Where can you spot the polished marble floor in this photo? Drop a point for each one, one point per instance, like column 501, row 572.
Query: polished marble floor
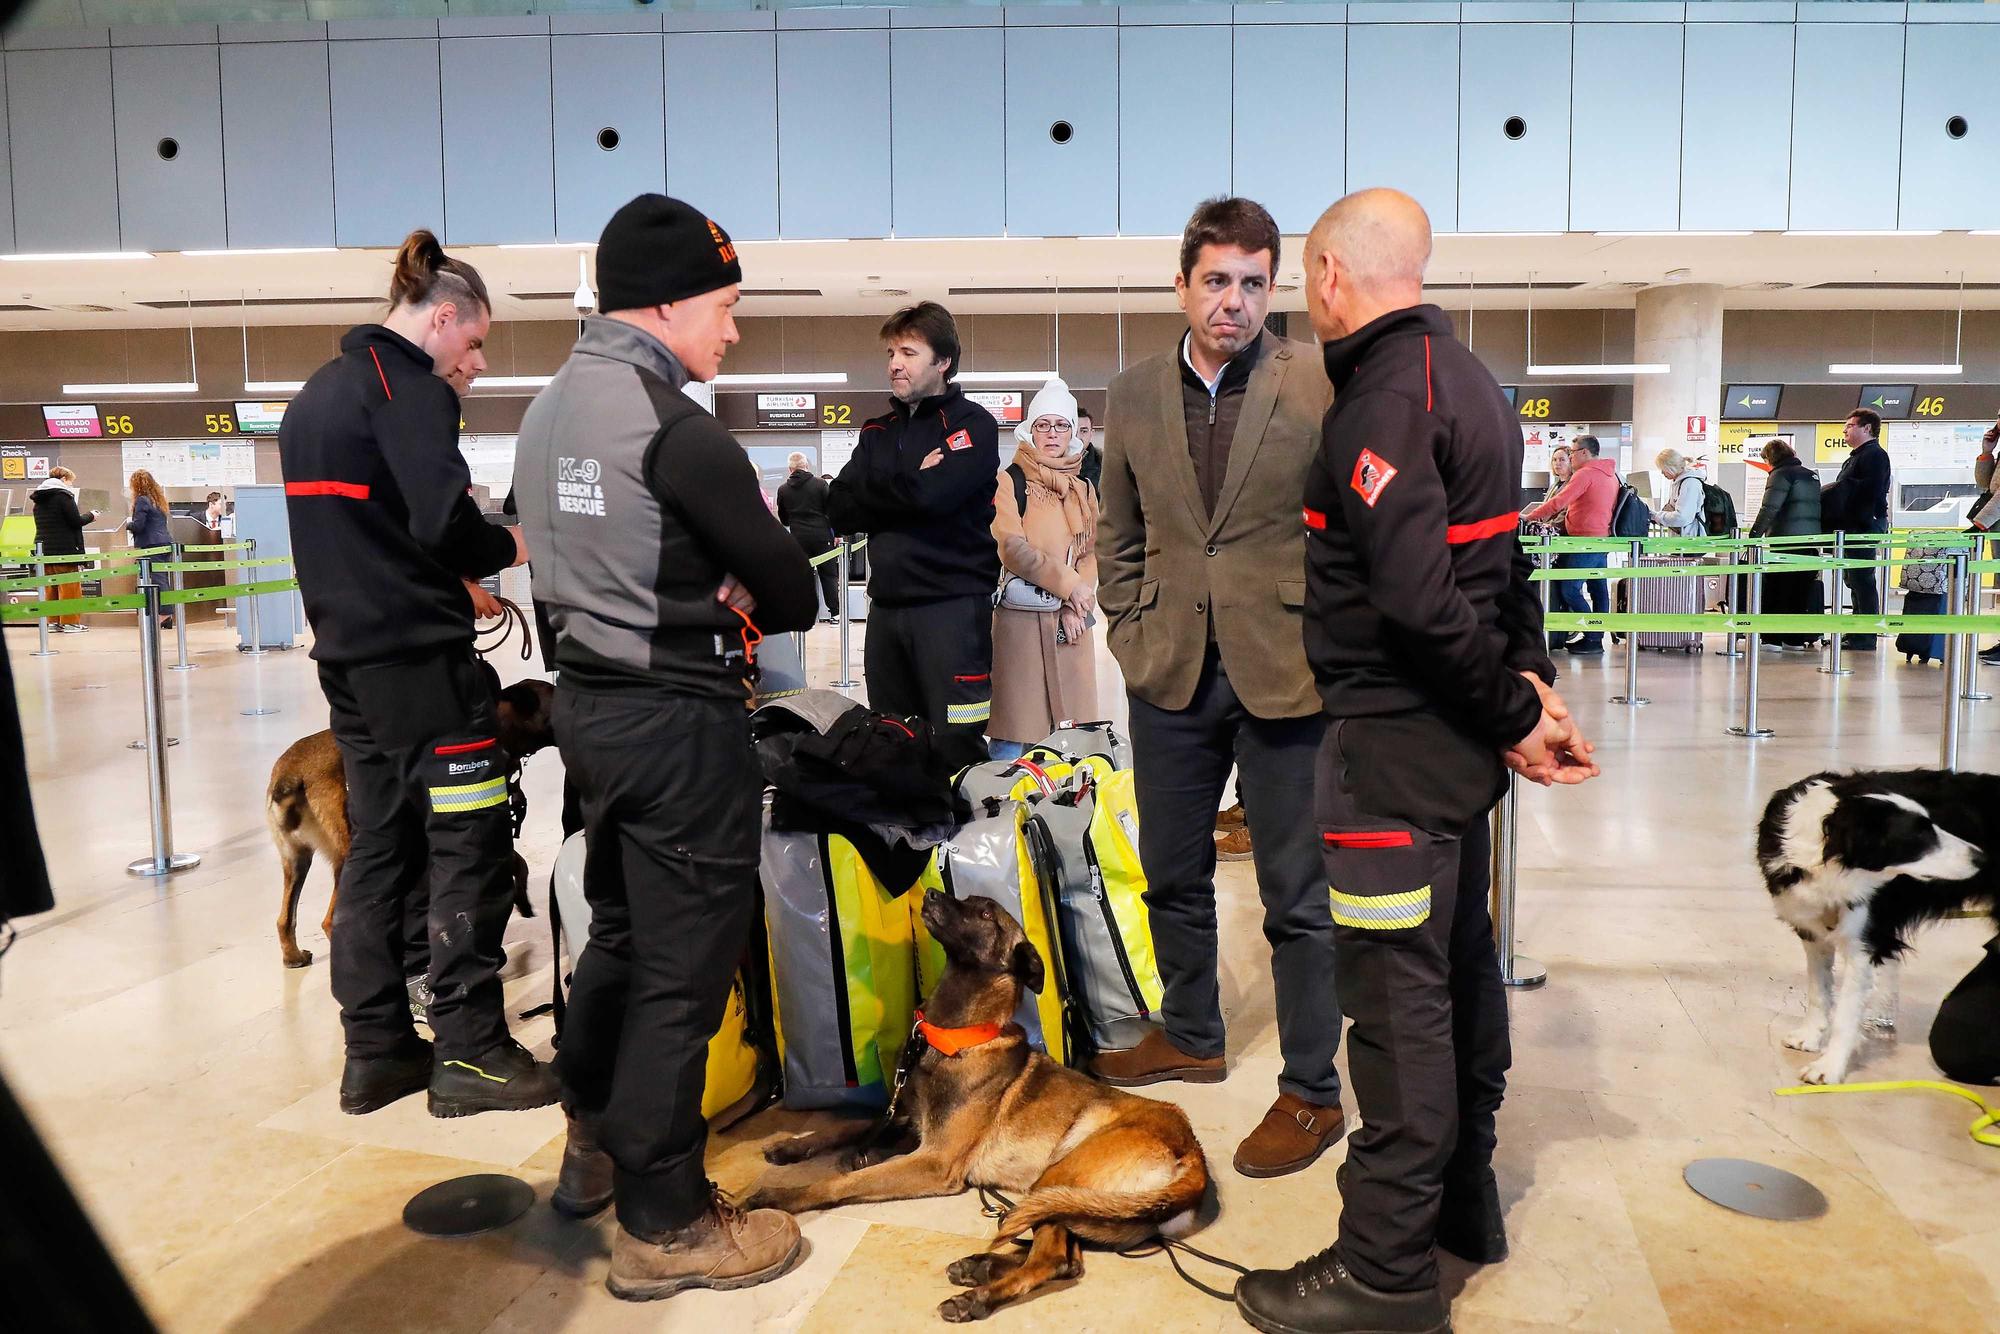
column 186, row 1079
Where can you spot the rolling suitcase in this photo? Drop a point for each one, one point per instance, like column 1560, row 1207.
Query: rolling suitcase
column 1676, row 596
column 1921, row 647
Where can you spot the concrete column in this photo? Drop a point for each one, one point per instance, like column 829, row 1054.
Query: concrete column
column 1680, row 327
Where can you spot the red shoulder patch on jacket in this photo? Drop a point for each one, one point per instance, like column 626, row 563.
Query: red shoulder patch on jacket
column 1372, row 475
column 958, row 440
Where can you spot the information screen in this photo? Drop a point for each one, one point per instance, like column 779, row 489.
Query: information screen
column 1751, row 402
column 259, row 418
column 72, row 421
column 787, row 410
column 1890, row 401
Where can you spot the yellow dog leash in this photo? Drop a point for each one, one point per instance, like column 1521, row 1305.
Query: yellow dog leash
column 1982, row 1129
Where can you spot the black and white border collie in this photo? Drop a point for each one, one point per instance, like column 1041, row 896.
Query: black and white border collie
column 1857, row 861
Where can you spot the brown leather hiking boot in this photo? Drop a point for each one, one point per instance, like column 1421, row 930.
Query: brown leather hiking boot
column 1233, row 818
column 1291, row 1135
column 1154, row 1060
column 584, row 1187
column 725, row 1248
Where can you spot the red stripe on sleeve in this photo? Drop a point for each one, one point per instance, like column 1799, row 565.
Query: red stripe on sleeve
column 1460, row 533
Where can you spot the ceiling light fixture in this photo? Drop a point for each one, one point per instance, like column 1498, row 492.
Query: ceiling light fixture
column 547, row 245
column 1894, row 368
column 1672, row 235
column 1490, row 236
column 1604, row 368
column 1955, row 366
column 156, row 387
column 92, row 255
column 1864, row 233
column 512, row 381
column 272, row 386
column 1004, row 377
column 804, row 379
column 259, row 250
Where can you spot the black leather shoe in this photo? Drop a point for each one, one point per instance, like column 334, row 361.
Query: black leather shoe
column 370, row 1083
column 1471, row 1224
column 1585, row 650
column 1858, row 643
column 1319, row 1296
column 1990, row 655
column 504, row 1078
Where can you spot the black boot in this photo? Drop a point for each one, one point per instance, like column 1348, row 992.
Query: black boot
column 370, row 1083
column 1470, row 1222
column 504, row 1078
column 1319, row 1296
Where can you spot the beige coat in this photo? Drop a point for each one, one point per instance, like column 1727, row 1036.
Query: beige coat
column 1036, row 681
column 1167, row 569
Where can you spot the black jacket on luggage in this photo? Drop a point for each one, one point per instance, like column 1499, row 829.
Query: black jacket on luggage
column 383, row 523
column 930, row 530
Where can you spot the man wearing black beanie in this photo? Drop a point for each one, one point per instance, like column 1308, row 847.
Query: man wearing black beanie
column 660, row 567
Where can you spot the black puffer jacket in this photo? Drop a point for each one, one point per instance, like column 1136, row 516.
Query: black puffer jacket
column 1791, row 503
column 58, row 522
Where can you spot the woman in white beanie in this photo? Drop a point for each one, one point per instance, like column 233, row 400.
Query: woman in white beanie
column 1045, row 522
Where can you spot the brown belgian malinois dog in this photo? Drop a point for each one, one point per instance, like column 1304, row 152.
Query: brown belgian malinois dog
column 982, row 1108
column 306, row 807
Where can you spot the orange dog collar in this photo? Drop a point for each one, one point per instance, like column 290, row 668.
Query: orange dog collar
column 952, row 1041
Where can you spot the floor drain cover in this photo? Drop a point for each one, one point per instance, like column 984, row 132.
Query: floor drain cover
column 466, row 1206
column 1756, row 1189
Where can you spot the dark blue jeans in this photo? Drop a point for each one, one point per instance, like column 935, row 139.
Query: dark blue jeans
column 1570, row 594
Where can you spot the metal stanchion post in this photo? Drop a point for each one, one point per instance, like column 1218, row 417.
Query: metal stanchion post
column 180, row 618
column 164, row 860
column 256, row 647
column 1753, row 643
column 1729, row 640
column 1833, row 667
column 42, row 573
column 1632, row 697
column 1967, row 680
column 149, row 640
column 1954, row 655
column 1515, row 971
column 846, row 681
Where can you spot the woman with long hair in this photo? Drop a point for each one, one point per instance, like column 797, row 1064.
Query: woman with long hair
column 59, row 532
column 148, row 524
column 1045, row 522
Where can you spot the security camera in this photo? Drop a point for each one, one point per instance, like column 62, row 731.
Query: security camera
column 584, row 299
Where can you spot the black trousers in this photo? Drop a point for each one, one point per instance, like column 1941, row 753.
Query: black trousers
column 1864, row 592
column 427, row 810
column 1402, row 812
column 670, row 806
column 817, row 542
column 935, row 660
column 1180, row 763
column 1965, row 1042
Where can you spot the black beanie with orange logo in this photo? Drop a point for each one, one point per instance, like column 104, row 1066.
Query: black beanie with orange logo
column 656, row 251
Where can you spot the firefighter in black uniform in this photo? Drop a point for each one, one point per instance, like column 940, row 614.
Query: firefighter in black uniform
column 384, row 532
column 1426, row 640
column 921, row 486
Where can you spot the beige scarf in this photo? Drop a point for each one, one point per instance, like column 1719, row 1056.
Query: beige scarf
column 1059, row 479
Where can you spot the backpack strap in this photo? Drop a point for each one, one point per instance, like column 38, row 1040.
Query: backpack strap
column 1020, row 488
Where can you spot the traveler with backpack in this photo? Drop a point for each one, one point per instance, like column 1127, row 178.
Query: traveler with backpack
column 1045, row 524
column 1587, row 501
column 1683, row 508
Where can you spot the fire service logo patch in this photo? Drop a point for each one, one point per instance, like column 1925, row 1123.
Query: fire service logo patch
column 1372, row 475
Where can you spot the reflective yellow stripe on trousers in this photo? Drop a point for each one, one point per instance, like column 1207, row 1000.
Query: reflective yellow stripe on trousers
column 1382, row 912
column 470, row 797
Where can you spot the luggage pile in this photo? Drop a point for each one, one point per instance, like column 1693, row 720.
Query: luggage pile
column 858, row 826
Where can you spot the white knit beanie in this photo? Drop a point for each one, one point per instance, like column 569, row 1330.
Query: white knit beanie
column 1053, row 400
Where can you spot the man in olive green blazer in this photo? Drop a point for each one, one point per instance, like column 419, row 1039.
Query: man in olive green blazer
column 1201, row 564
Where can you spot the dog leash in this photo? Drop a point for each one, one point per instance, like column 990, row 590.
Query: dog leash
column 1983, row 1129
column 511, row 616
column 1157, row 1246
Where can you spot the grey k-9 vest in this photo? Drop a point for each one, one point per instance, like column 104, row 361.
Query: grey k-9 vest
column 629, row 589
